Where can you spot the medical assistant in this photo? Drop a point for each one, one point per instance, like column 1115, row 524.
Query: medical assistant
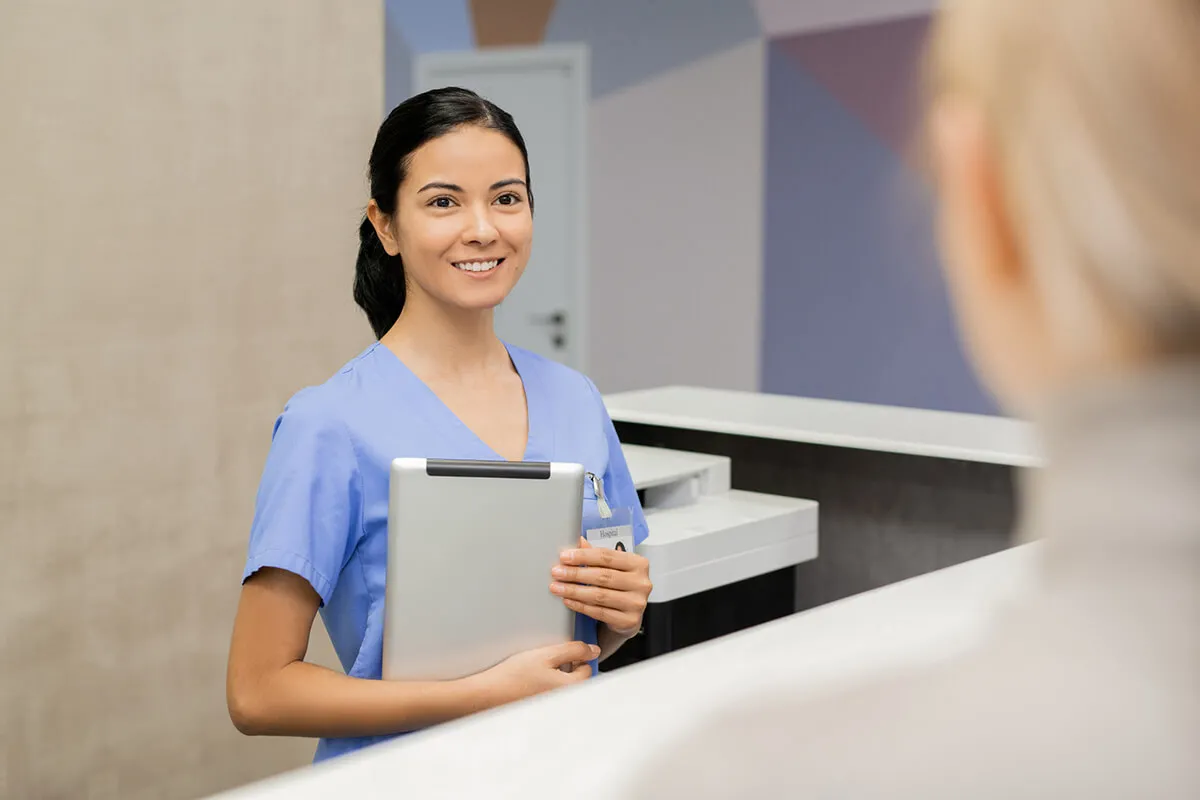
column 321, row 509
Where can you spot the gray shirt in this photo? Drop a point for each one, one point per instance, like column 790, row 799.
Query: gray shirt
column 1089, row 688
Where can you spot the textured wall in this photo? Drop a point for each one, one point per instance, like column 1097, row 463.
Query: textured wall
column 177, row 229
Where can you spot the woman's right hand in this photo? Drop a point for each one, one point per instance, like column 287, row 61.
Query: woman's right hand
column 536, row 671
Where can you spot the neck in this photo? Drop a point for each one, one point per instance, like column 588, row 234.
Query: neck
column 434, row 339
column 1123, row 464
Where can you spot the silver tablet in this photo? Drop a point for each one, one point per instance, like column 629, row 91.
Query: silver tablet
column 470, row 548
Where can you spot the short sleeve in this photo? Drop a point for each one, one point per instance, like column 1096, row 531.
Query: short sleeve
column 618, row 483
column 308, row 507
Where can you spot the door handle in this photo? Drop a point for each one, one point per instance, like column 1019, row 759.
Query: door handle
column 558, row 319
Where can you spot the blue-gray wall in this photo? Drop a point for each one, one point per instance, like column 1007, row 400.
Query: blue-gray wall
column 854, row 307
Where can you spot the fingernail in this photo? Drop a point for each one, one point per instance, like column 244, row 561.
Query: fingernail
column 557, row 588
column 559, row 572
column 571, row 555
column 595, row 650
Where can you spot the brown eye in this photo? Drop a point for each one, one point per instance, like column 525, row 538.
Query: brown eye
column 508, row 199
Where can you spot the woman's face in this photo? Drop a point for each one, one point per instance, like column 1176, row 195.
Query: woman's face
column 463, row 224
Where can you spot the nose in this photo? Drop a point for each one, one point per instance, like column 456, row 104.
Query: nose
column 480, row 230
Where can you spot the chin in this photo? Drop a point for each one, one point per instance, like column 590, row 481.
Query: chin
column 484, row 294
column 481, row 300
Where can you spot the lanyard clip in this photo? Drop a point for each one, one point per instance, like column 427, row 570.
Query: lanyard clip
column 601, row 502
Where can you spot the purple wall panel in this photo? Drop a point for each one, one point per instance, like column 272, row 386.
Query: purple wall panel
column 853, row 307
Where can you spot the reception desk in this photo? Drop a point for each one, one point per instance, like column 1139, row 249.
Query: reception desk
column 888, row 528
column 901, row 491
column 584, row 741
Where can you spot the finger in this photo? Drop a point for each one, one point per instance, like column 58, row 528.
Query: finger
column 602, row 577
column 583, row 544
column 604, row 557
column 605, row 598
column 620, row 620
column 571, row 653
column 581, row 672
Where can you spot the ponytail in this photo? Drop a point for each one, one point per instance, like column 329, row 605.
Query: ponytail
column 378, row 281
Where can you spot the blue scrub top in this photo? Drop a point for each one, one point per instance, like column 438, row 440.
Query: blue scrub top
column 321, row 510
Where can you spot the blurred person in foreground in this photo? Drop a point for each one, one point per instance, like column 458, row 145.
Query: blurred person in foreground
column 1065, row 141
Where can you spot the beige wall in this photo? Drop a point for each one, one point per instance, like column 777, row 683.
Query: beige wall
column 676, row 253
column 179, row 191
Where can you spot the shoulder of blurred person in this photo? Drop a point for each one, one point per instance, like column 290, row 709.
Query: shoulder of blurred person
column 1014, row 719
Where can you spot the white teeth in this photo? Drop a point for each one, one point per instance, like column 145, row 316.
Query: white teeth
column 477, row 266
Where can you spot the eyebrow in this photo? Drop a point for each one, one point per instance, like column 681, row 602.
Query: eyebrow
column 454, row 187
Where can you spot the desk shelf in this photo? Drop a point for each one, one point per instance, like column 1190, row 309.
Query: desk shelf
column 725, row 538
column 721, row 559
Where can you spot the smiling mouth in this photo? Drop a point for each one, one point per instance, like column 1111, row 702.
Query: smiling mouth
column 478, row 266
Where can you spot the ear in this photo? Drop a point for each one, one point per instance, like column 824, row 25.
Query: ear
column 975, row 208
column 383, row 228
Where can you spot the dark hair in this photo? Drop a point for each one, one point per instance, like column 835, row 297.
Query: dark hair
column 379, row 287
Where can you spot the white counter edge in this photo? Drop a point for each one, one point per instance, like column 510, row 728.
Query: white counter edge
column 623, row 407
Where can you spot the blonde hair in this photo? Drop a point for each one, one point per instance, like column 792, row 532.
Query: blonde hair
column 1094, row 109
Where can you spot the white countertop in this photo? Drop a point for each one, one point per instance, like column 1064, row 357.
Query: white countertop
column 546, row 747
column 893, row 429
column 651, row 467
column 726, row 538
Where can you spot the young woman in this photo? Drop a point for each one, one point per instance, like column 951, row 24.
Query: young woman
column 1066, row 140
column 446, row 237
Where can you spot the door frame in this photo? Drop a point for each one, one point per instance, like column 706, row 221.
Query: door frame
column 575, row 59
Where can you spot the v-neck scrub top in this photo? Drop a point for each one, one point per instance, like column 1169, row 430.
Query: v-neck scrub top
column 322, row 505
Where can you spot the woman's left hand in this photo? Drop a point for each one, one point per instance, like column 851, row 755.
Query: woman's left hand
column 610, row 586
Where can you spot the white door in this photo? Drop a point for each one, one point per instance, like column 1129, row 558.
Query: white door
column 546, row 91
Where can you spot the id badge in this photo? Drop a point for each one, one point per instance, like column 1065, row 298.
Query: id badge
column 614, row 532
column 611, row 528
